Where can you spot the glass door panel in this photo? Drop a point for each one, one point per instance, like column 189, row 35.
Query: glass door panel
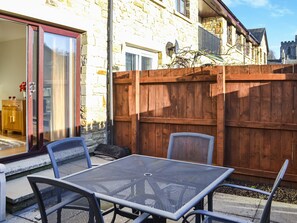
column 59, row 86
column 13, row 122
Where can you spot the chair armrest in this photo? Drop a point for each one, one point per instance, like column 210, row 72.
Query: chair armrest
column 245, row 188
column 141, row 218
column 216, row 216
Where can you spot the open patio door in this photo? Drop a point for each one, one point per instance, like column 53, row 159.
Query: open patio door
column 45, row 61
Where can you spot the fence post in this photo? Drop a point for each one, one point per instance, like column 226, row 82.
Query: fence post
column 2, row 193
column 221, row 85
column 134, row 111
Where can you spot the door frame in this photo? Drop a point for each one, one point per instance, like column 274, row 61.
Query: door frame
column 33, row 150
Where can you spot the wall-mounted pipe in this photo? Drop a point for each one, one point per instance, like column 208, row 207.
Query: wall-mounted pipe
column 109, row 78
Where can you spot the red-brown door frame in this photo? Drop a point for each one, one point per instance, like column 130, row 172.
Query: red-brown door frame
column 32, row 27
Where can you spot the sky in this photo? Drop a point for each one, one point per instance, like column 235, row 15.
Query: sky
column 278, row 17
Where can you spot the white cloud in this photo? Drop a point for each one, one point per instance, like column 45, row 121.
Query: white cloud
column 258, row 3
column 255, row 3
column 275, row 10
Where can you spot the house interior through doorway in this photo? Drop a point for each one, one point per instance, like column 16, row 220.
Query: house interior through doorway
column 12, row 101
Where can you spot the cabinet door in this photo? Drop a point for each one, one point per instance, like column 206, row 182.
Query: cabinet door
column 17, row 121
column 12, row 120
column 5, row 119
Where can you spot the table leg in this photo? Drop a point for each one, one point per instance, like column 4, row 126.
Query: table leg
column 199, row 206
column 157, row 219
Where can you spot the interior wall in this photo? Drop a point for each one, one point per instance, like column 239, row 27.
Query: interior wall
column 12, row 68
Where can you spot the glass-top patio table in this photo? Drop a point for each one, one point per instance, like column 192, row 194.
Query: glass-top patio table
column 162, row 187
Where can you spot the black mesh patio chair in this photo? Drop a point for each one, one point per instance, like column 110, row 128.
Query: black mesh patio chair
column 192, row 147
column 53, row 196
column 71, row 155
column 210, row 216
column 68, row 156
column 189, row 146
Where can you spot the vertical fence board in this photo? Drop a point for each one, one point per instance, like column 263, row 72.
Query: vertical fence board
column 134, row 112
column 254, row 161
column 221, row 118
column 276, row 150
column 159, row 151
column 276, row 101
column 198, row 100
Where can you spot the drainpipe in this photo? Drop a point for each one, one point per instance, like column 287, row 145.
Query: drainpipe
column 109, row 79
column 2, row 193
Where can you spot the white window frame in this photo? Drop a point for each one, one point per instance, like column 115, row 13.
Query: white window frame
column 142, row 53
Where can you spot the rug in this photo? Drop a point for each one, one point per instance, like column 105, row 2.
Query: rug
column 10, row 143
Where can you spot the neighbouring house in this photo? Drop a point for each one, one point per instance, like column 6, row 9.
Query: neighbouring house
column 288, row 52
column 263, row 49
column 65, row 52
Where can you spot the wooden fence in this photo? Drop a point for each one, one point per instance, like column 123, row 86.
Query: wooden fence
column 251, row 111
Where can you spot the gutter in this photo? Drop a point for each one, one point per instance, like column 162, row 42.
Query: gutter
column 109, row 78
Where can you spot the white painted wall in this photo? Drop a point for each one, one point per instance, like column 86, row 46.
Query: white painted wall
column 12, row 68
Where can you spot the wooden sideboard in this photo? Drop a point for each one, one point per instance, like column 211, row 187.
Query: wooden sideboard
column 14, row 116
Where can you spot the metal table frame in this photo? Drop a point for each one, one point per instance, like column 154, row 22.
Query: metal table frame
column 79, row 179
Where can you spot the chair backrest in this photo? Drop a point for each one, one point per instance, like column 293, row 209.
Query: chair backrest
column 265, row 218
column 54, row 194
column 188, row 146
column 68, row 156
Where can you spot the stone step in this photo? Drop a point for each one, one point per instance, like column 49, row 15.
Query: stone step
column 19, row 194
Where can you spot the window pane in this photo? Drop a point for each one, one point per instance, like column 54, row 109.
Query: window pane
column 182, row 7
column 59, row 86
column 146, row 63
column 130, row 61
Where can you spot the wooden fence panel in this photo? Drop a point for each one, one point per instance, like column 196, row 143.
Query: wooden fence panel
column 251, row 111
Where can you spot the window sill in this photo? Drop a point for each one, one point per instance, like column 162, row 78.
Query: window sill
column 182, row 16
column 159, row 2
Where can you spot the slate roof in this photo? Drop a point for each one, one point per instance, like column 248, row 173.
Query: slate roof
column 259, row 34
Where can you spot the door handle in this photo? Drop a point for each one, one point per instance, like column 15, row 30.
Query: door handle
column 32, row 88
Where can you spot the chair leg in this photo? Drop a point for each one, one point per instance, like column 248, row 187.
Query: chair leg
column 91, row 216
column 210, row 201
column 114, row 213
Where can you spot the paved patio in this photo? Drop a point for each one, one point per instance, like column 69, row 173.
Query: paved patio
column 251, row 208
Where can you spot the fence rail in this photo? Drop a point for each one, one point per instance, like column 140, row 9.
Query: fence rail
column 251, row 111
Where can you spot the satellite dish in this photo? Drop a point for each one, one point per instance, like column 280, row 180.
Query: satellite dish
column 170, row 48
column 176, row 47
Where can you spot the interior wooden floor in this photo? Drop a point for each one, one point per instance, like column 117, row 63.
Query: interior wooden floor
column 15, row 150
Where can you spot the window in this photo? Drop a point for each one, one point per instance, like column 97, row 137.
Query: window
column 183, row 7
column 229, row 34
column 247, row 48
column 238, row 41
column 137, row 59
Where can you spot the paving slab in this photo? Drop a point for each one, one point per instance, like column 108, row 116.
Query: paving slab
column 280, row 212
column 243, row 207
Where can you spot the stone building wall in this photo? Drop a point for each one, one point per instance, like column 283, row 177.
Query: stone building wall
column 231, row 54
column 90, row 19
column 149, row 25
